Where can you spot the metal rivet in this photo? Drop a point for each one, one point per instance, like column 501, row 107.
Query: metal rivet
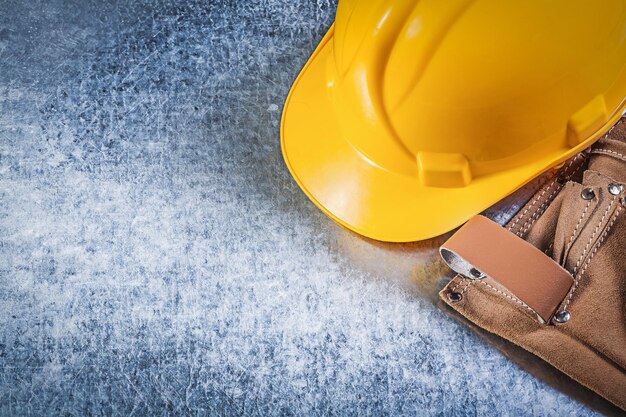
column 475, row 273
column 615, row 189
column 587, row 194
column 455, row 297
column 562, row 316
column 561, row 180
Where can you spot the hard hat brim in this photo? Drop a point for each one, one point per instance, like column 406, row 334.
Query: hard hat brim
column 366, row 198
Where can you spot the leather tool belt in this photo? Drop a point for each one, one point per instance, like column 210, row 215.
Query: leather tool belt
column 553, row 280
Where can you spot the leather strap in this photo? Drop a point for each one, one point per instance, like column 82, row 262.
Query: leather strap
column 482, row 247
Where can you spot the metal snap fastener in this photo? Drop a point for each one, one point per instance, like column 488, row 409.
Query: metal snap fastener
column 475, row 273
column 615, row 189
column 562, row 316
column 455, row 297
column 587, row 194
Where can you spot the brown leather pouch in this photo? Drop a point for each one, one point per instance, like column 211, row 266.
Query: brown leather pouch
column 553, row 280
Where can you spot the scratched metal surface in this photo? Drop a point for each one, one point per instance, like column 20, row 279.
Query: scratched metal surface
column 157, row 259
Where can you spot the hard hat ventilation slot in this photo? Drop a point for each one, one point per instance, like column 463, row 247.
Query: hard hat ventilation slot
column 587, row 121
column 446, row 170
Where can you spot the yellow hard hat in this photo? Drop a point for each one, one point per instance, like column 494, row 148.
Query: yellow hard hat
column 412, row 116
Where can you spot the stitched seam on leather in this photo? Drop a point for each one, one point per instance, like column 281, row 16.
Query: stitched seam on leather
column 540, row 210
column 470, row 282
column 458, row 284
column 581, row 166
column 571, row 239
column 608, row 151
column 510, row 297
column 593, row 235
column 461, row 281
column 595, row 250
column 531, row 205
column 537, row 198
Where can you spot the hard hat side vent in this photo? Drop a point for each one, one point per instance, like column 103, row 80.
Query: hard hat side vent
column 586, row 121
column 446, row 170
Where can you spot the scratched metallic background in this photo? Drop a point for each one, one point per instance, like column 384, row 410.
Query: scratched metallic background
column 157, row 259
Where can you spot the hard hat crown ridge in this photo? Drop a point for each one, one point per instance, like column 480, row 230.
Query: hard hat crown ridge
column 425, row 101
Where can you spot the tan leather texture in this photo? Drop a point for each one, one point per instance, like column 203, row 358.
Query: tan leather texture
column 526, row 272
column 578, row 219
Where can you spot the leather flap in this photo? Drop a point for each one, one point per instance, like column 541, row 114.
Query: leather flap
column 484, row 248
